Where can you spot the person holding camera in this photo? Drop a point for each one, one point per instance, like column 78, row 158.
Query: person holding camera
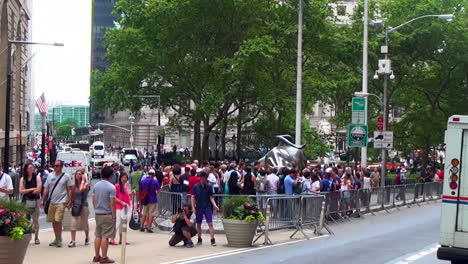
column 183, row 227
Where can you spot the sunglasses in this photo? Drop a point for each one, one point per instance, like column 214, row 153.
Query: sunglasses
column 57, row 165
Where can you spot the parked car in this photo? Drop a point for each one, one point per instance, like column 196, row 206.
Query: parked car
column 96, row 167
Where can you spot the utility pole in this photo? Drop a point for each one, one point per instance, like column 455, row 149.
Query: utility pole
column 299, row 75
column 364, row 73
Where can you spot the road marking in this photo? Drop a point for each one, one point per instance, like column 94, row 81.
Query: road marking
column 235, row 252
column 412, row 257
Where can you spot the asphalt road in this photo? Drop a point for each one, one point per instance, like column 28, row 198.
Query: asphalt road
column 405, row 236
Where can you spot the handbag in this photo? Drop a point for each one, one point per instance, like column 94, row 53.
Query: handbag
column 134, row 220
column 30, row 204
column 47, row 203
column 78, row 205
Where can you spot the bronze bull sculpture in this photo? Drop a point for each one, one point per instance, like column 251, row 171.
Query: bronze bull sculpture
column 286, row 154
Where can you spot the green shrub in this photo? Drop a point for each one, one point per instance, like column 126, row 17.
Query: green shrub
column 241, row 208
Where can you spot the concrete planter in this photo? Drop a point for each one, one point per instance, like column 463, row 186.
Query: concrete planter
column 13, row 252
column 239, row 233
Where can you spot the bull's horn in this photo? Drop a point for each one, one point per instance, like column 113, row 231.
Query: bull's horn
column 288, row 140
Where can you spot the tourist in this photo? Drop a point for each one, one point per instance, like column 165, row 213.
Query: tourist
column 80, row 211
column 59, row 191
column 122, row 205
column 183, row 227
column 30, row 186
column 290, row 182
column 201, row 198
column 6, row 185
column 193, row 179
column 104, row 207
column 151, row 187
column 249, row 182
column 273, row 182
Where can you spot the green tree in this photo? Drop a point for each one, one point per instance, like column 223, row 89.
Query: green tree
column 64, row 129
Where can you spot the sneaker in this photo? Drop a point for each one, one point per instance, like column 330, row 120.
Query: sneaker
column 149, row 230
column 59, row 244
column 142, row 229
column 106, row 260
column 72, row 244
column 213, row 242
column 86, row 242
column 190, row 244
column 200, row 241
column 53, row 244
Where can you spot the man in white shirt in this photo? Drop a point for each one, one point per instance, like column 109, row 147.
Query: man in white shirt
column 6, row 185
column 273, row 181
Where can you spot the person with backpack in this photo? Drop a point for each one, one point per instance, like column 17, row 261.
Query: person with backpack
column 149, row 187
column 249, row 181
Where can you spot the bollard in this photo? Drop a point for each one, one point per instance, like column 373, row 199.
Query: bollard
column 322, row 219
column 123, row 228
column 267, row 226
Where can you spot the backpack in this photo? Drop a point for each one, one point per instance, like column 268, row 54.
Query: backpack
column 397, row 179
column 262, row 183
column 281, row 189
column 143, row 195
column 298, row 188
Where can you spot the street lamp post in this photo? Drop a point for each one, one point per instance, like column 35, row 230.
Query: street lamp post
column 6, row 151
column 364, row 72
column 131, row 118
column 385, row 66
column 299, row 74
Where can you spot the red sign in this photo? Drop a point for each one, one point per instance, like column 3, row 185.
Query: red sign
column 380, row 122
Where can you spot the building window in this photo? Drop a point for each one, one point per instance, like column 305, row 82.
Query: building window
column 341, row 10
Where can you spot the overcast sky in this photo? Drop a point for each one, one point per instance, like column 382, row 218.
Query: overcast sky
column 62, row 73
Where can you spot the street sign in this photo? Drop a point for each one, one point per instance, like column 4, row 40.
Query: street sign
column 357, row 135
column 359, row 113
column 380, row 122
column 383, row 139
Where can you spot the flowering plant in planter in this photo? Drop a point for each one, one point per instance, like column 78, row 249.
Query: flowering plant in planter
column 13, row 221
column 242, row 208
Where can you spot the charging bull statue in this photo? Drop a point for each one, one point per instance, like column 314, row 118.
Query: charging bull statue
column 286, row 154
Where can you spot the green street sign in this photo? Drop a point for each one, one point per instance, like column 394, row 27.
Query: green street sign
column 357, row 135
column 359, row 104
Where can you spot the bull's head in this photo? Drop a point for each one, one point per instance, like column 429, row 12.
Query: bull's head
column 286, row 154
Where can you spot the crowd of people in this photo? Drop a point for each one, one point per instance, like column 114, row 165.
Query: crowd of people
column 118, row 194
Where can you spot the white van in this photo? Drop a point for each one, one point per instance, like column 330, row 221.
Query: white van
column 454, row 217
column 98, row 149
column 74, row 160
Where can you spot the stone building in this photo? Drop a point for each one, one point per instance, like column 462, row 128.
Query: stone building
column 15, row 20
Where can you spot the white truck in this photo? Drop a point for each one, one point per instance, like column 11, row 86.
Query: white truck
column 98, row 149
column 454, row 217
column 74, row 160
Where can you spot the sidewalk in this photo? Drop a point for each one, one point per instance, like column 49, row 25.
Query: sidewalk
column 144, row 248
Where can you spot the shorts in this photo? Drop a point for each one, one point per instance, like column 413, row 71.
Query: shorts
column 207, row 213
column 177, row 237
column 33, row 212
column 83, row 218
column 105, row 226
column 55, row 213
column 150, row 210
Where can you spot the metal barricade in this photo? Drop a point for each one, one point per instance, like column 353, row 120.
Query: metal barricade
column 310, row 214
column 285, row 211
column 168, row 203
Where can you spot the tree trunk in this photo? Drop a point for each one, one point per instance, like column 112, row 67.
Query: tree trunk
column 223, row 136
column 205, row 151
column 196, row 154
column 239, row 135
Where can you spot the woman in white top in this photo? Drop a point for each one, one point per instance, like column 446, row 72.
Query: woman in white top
column 316, row 186
column 212, row 179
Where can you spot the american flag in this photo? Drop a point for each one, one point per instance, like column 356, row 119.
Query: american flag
column 42, row 105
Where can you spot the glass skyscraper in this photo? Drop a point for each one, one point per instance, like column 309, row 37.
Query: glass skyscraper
column 60, row 113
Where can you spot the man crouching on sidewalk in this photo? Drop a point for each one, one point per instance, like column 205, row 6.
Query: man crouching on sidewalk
column 183, row 227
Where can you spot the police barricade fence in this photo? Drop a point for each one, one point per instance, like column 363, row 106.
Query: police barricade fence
column 168, row 203
column 340, row 205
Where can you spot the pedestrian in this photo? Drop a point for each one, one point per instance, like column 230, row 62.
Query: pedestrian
column 233, row 182
column 104, row 207
column 183, row 227
column 151, row 187
column 135, row 179
column 80, row 209
column 6, row 185
column 290, row 182
column 307, row 183
column 193, row 179
column 249, row 182
column 273, row 182
column 201, row 198
column 375, row 178
column 212, row 179
column 30, row 186
column 58, row 192
column 122, row 205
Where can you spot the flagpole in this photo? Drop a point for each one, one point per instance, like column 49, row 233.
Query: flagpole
column 6, row 151
column 43, row 116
